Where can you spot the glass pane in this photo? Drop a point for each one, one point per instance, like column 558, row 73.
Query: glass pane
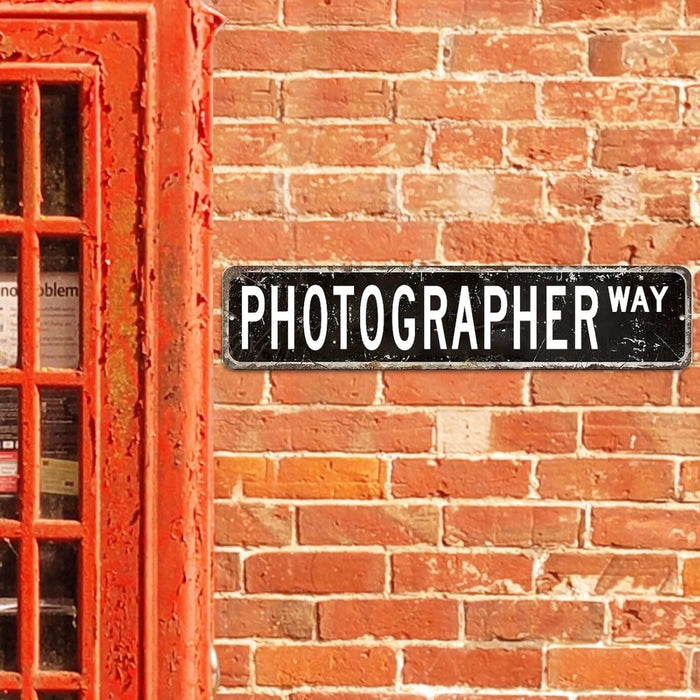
column 58, row 606
column 60, row 445
column 9, row 149
column 8, row 605
column 9, row 695
column 9, row 446
column 60, row 150
column 60, row 303
column 56, row 696
column 9, row 301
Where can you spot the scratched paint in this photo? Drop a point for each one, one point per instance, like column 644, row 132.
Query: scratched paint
column 145, row 231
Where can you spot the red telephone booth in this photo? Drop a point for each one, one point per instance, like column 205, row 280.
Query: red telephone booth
column 104, row 340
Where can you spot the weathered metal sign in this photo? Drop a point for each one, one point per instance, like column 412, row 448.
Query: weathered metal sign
column 518, row 317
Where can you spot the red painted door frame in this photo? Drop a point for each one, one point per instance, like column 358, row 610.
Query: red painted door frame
column 145, row 531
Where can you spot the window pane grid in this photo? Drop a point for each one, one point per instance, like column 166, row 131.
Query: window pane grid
column 30, row 531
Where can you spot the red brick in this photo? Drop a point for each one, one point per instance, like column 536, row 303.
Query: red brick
column 489, row 668
column 458, row 478
column 298, row 665
column 460, row 388
column 231, row 472
column 384, row 525
column 663, row 149
column 245, row 97
column 423, row 572
column 624, row 13
column 498, row 243
column 314, row 572
column 323, row 477
column 691, row 576
column 247, row 11
column 610, row 102
column 587, row 668
column 665, row 433
column 331, row 387
column 690, row 479
column 472, row 146
column 237, row 387
column 351, row 98
column 239, row 241
column 549, row 54
column 251, row 617
column 689, row 386
column 649, row 528
column 248, row 193
column 234, row 662
column 656, row 622
column 322, row 430
column 534, row 431
column 648, row 55
column 512, row 526
column 479, row 13
column 622, row 196
column 451, row 99
column 597, row 696
column 606, row 479
column 227, row 571
column 472, row 194
column 693, row 9
column 526, row 620
column 339, row 195
column 351, row 695
column 613, row 388
column 338, row 12
column 561, row 148
column 601, row 573
column 399, row 619
column 352, row 50
column 644, row 244
column 252, row 525
column 307, row 144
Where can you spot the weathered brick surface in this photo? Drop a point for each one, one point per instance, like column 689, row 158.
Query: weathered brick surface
column 456, row 535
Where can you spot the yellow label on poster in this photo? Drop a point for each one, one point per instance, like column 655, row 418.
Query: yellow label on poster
column 60, row 476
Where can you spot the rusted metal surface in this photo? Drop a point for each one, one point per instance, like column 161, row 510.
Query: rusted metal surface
column 145, row 520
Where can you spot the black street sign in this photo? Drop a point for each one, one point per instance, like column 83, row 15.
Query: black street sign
column 456, row 317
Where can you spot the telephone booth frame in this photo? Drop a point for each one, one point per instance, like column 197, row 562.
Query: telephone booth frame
column 147, row 343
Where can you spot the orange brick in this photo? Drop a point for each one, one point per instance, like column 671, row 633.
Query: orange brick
column 338, row 195
column 613, row 388
column 691, row 576
column 602, row 573
column 232, row 387
column 689, row 386
column 302, row 144
column 649, row 528
column 534, row 431
column 495, row 572
column 247, row 193
column 338, row 12
column 247, row 11
column 644, row 54
column 336, row 97
column 525, row 620
column 491, row 668
column 512, row 526
column 269, row 617
column 606, row 479
column 495, row 243
column 562, row 148
column 610, row 102
column 369, row 525
column 315, row 572
column 299, row 665
column 690, row 479
column 459, row 478
column 323, row 477
column 588, row 668
column 624, row 13
column 480, row 13
column 464, row 100
column 227, row 571
column 656, row 622
column 234, row 662
column 238, row 241
column 332, row 387
column 471, row 146
column 231, row 472
column 245, row 97
column 540, row 54
column 252, row 525
column 356, row 50
column 663, row 149
column 400, row 619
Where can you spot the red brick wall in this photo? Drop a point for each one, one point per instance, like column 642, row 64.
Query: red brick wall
column 416, row 534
